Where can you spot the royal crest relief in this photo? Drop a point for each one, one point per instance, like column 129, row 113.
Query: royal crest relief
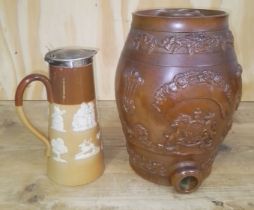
column 197, row 129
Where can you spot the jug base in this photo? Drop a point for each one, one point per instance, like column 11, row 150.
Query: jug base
column 75, row 173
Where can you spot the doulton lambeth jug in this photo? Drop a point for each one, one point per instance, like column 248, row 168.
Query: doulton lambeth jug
column 178, row 84
column 74, row 148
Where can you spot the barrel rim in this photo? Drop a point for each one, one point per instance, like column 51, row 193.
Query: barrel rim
column 154, row 13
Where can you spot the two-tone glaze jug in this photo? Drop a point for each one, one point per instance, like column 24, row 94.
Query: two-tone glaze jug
column 73, row 146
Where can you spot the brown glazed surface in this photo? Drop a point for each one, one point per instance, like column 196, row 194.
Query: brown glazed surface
column 26, row 81
column 178, row 84
column 72, row 85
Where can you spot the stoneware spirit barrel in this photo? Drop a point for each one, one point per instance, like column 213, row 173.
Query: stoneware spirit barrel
column 178, row 84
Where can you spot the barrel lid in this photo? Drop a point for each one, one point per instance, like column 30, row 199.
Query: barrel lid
column 70, row 57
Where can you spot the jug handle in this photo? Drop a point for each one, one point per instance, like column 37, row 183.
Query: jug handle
column 19, row 105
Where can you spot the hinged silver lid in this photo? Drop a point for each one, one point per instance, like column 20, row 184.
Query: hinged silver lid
column 70, row 57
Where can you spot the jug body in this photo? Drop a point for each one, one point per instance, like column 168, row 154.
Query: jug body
column 178, row 84
column 75, row 155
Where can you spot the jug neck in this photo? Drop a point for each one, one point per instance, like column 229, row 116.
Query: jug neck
column 72, row 86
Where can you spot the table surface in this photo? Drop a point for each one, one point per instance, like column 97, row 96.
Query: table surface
column 24, row 184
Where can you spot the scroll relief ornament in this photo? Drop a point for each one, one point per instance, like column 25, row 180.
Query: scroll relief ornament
column 191, row 78
column 196, row 130
column 158, row 167
column 180, row 43
column 137, row 133
column 152, row 166
column 132, row 80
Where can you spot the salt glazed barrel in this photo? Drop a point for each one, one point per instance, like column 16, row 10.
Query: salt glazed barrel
column 177, row 84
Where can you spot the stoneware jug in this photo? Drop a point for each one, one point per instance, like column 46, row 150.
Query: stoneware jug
column 178, row 84
column 73, row 145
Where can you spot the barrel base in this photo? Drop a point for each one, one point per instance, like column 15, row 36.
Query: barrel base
column 183, row 181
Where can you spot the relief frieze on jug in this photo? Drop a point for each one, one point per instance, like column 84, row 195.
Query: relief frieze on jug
column 73, row 146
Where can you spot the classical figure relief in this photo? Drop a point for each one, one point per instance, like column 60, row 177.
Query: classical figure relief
column 87, row 150
column 196, row 130
column 180, row 43
column 84, row 118
column 58, row 148
column 57, row 122
column 132, row 80
column 191, row 78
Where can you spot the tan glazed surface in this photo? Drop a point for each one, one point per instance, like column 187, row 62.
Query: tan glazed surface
column 76, row 171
